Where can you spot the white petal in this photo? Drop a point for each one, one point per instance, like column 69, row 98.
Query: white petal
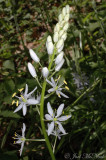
column 59, row 58
column 22, row 146
column 64, row 118
column 61, row 48
column 63, row 94
column 55, row 38
column 32, row 101
column 50, row 47
column 51, row 127
column 23, row 130
column 48, row 117
column 49, row 108
column 67, row 8
column 60, row 109
column 67, row 17
column 50, row 83
column 61, row 128
column 66, row 26
column 34, row 56
column 53, row 82
column 45, row 72
column 31, row 92
column 58, row 67
column 26, row 90
column 19, row 107
column 60, row 43
column 64, row 36
column 49, row 39
column 32, row 70
column 24, row 109
column 64, row 11
column 51, row 90
column 19, row 141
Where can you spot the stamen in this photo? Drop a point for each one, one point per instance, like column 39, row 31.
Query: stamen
column 20, row 90
column 13, row 94
column 65, row 82
column 58, row 95
column 17, row 104
column 22, row 97
column 67, row 115
column 67, row 88
column 63, row 112
column 58, row 78
column 14, row 142
column 13, row 102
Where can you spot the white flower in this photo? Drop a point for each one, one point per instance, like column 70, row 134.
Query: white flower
column 56, row 119
column 55, row 38
column 20, row 139
column 61, row 48
column 57, row 132
column 50, row 47
column 60, row 43
column 56, row 88
column 34, row 56
column 49, row 39
column 67, row 17
column 25, row 100
column 32, row 70
column 64, row 36
column 61, row 33
column 67, row 8
column 60, row 17
column 59, row 65
column 59, row 57
column 45, row 72
column 57, row 28
column 64, row 11
column 66, row 26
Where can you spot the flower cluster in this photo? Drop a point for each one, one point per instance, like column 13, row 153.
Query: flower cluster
column 55, row 127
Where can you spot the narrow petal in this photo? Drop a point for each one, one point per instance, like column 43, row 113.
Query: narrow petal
column 26, row 90
column 58, row 66
column 32, row 92
column 24, row 109
column 50, row 83
column 32, row 101
column 49, row 108
column 51, row 90
column 23, row 130
column 64, row 118
column 52, row 80
column 48, row 117
column 19, row 141
column 22, row 146
column 61, row 128
column 18, row 108
column 63, row 94
column 51, row 127
column 59, row 110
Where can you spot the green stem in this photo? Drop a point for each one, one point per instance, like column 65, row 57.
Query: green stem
column 34, row 139
column 42, row 111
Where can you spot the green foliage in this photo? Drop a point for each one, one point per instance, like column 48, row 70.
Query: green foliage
column 26, row 24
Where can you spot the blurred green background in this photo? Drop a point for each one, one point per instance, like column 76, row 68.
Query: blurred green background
column 26, row 24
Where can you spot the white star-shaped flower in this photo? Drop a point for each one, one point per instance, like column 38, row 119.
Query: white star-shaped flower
column 20, row 139
column 56, row 119
column 25, row 100
column 56, row 88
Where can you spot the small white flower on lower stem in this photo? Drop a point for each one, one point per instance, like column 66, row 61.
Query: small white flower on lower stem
column 58, row 66
column 59, row 57
column 34, row 56
column 45, row 72
column 56, row 119
column 20, row 139
column 25, row 100
column 32, row 70
column 56, row 88
column 57, row 132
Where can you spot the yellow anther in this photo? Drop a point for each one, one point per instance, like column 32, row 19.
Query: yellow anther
column 66, row 88
column 65, row 82
column 55, row 109
column 58, row 95
column 59, row 77
column 22, row 97
column 67, row 115
column 14, row 94
column 17, row 103
column 20, row 90
column 14, row 142
column 15, row 134
column 63, row 112
column 13, row 102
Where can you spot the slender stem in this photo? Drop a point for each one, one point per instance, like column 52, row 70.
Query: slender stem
column 34, row 139
column 38, row 82
column 54, row 144
column 42, row 111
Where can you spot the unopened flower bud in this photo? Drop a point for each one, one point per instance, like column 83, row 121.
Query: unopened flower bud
column 50, row 47
column 55, row 38
column 66, row 26
column 66, row 18
column 58, row 67
column 59, row 58
column 61, row 32
column 45, row 72
column 34, row 56
column 67, row 9
column 64, row 11
column 61, row 48
column 60, row 17
column 32, row 70
column 60, row 43
column 64, row 36
column 49, row 39
column 57, row 27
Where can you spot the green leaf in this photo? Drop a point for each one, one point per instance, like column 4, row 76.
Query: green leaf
column 9, row 114
column 8, row 64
